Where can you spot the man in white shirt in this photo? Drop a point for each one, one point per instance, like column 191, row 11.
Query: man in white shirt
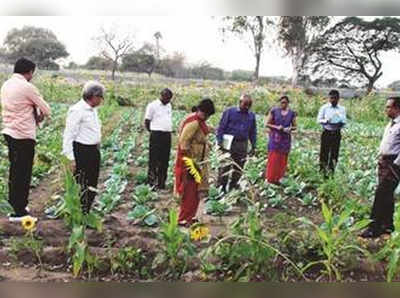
column 81, row 142
column 388, row 174
column 332, row 117
column 158, row 121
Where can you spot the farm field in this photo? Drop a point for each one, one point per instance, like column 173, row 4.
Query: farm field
column 304, row 230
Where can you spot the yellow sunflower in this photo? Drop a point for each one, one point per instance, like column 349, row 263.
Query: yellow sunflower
column 28, row 223
column 199, row 232
column 204, row 232
column 195, row 234
column 193, row 169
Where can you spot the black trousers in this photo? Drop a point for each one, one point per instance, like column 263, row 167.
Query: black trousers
column 20, row 154
column 160, row 149
column 329, row 153
column 87, row 159
column 383, row 207
column 239, row 155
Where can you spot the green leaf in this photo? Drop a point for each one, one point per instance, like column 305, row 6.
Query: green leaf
column 79, row 258
column 361, row 224
column 151, row 220
column 322, row 234
column 343, row 217
column 306, row 221
column 138, row 212
column 393, row 264
column 77, row 235
column 327, row 213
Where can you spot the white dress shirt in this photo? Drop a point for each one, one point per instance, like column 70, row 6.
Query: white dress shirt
column 390, row 144
column 160, row 116
column 332, row 118
column 82, row 126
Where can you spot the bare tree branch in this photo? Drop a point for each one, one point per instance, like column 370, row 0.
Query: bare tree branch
column 114, row 45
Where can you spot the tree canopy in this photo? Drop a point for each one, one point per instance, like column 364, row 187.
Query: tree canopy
column 351, row 49
column 101, row 63
column 39, row 44
column 143, row 60
column 296, row 35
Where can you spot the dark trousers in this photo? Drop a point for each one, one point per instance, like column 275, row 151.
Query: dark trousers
column 160, row 149
column 383, row 207
column 20, row 155
column 329, row 153
column 238, row 154
column 87, row 159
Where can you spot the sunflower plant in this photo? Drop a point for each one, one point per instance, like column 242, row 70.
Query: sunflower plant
column 28, row 223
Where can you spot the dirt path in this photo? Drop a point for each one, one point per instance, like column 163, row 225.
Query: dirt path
column 42, row 195
column 29, row 274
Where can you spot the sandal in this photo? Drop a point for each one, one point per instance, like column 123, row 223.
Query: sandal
column 182, row 223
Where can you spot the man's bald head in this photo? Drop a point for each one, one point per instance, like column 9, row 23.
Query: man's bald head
column 245, row 102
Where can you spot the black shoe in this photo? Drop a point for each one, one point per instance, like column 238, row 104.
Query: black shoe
column 389, row 227
column 372, row 233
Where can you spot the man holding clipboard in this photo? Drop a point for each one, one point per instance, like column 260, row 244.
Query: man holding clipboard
column 236, row 128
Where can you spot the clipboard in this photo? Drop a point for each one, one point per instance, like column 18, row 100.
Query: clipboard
column 227, row 141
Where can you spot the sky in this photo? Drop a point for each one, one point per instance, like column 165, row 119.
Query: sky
column 198, row 37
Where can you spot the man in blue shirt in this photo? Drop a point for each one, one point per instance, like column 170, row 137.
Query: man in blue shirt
column 332, row 117
column 238, row 124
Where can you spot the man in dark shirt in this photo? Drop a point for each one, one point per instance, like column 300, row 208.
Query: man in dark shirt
column 240, row 124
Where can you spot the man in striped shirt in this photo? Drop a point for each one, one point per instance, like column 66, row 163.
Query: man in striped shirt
column 22, row 110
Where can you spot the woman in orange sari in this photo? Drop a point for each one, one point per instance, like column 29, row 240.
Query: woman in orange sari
column 192, row 143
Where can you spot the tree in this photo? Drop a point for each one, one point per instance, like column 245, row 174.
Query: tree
column 114, row 46
column 251, row 28
column 352, row 49
column 100, row 63
column 241, row 75
column 172, row 66
column 39, row 44
column 72, row 65
column 395, row 86
column 296, row 34
column 142, row 60
column 3, row 56
column 158, row 36
column 206, row 71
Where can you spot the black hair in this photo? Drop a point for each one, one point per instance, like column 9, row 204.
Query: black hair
column 284, row 97
column 23, row 66
column 206, row 106
column 194, row 109
column 334, row 94
column 167, row 92
column 396, row 101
